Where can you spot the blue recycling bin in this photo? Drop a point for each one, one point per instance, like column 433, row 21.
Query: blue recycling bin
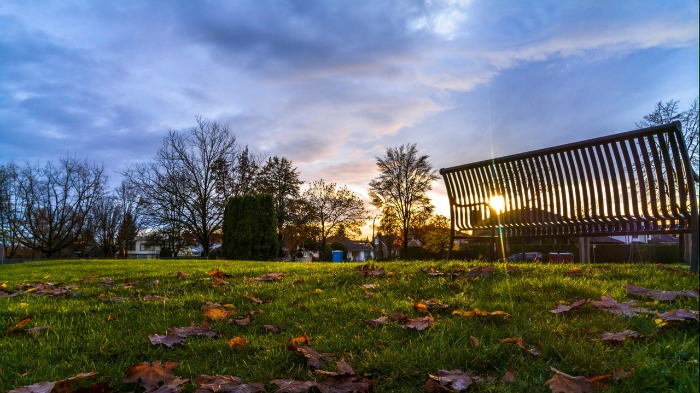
column 337, row 256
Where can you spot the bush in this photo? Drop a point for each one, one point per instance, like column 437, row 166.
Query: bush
column 250, row 228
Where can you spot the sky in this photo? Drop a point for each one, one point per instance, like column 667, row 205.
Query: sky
column 331, row 84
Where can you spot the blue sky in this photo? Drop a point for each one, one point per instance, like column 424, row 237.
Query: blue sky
column 331, row 84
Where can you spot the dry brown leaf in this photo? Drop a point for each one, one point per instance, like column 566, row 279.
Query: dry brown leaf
column 664, row 296
column 481, row 313
column 155, row 298
column 370, row 294
column 565, row 383
column 270, row 277
column 292, row 386
column 674, row 270
column 564, row 308
column 450, row 381
column 419, row 324
column 475, row 342
column 62, row 385
column 151, row 375
column 432, row 271
column 574, row 272
column 245, row 321
column 622, row 336
column 256, row 300
column 678, row 315
column 226, row 384
column 237, row 342
column 183, row 275
column 508, row 377
column 202, row 330
column 611, row 305
column 273, row 328
column 166, row 340
column 383, row 320
column 370, row 270
column 397, row 316
column 314, row 358
column 299, row 340
column 425, row 306
column 521, row 343
column 369, row 286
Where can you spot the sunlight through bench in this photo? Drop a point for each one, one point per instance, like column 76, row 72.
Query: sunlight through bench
column 633, row 183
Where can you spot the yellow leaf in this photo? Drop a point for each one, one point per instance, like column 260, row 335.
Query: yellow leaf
column 24, row 305
column 217, row 314
column 237, row 342
column 319, row 290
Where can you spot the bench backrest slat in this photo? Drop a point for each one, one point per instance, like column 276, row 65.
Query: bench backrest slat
column 630, row 183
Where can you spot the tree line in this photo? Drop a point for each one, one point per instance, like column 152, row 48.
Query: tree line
column 179, row 198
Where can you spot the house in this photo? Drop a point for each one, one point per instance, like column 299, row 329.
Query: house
column 359, row 251
column 142, row 250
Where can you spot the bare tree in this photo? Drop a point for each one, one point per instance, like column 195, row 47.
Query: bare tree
column 55, row 202
column 9, row 203
column 179, row 188
column 106, row 218
column 669, row 111
column 332, row 208
column 401, row 187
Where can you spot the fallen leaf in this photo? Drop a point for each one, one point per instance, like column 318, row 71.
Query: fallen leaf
column 677, row 271
column 273, row 328
column 508, row 377
column 151, row 375
column 183, row 275
column 218, row 274
column 565, row 383
column 370, row 294
column 397, row 316
column 60, row 386
column 369, row 286
column 343, row 380
column 217, row 312
column 521, row 343
column 292, row 386
column 270, row 277
column 419, row 324
column 482, row 271
column 574, row 272
column 383, row 320
column 202, row 330
column 679, row 315
column 432, row 271
column 370, row 270
column 611, row 305
column 622, row 336
column 257, row 301
column 237, row 342
column 425, row 306
column 155, row 298
column 299, row 340
column 314, row 358
column 481, row 313
column 564, row 308
column 225, row 384
column 21, row 323
column 245, row 321
column 166, row 340
column 450, row 381
column 664, row 296
column 475, row 342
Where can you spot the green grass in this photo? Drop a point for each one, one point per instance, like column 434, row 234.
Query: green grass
column 331, row 307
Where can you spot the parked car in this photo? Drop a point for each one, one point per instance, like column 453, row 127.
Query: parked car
column 526, row 256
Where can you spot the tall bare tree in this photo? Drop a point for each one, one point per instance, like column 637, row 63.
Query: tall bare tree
column 669, row 111
column 331, row 207
column 404, row 179
column 9, row 203
column 179, row 188
column 56, row 200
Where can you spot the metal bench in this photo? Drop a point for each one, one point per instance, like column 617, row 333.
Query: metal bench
column 633, row 183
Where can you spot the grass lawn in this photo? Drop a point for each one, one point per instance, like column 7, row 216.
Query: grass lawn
column 329, row 303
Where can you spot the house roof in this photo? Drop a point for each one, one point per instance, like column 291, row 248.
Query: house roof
column 663, row 238
column 605, row 240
